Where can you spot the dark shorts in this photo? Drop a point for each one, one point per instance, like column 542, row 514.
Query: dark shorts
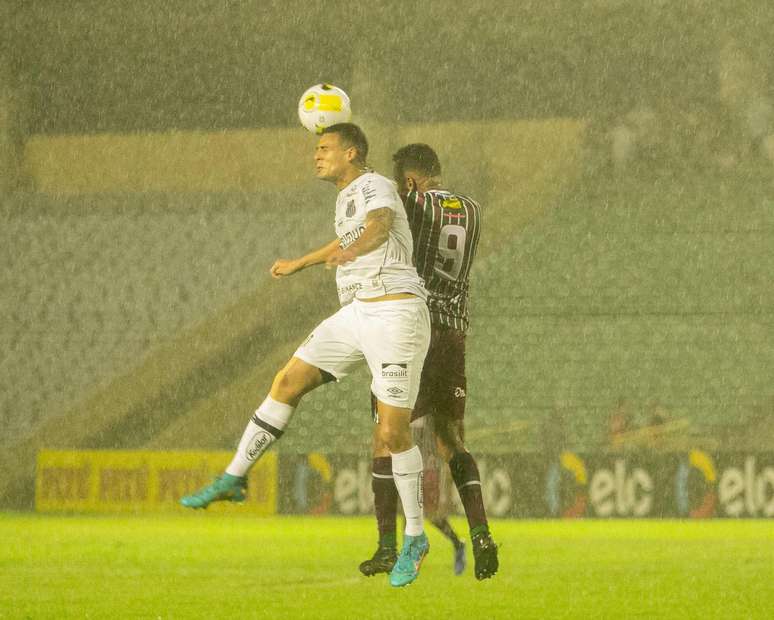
column 443, row 386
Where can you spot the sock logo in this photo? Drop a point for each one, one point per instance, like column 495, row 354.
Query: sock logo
column 257, row 445
column 420, row 487
column 394, row 371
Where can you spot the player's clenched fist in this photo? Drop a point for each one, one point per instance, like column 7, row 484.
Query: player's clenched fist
column 284, row 267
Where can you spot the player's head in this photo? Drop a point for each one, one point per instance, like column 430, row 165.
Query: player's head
column 416, row 166
column 341, row 151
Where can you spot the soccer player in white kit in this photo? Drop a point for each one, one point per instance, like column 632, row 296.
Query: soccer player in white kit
column 383, row 320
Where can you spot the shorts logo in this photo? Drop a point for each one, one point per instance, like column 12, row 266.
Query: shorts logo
column 459, row 392
column 350, row 208
column 395, row 390
column 394, row 371
column 257, row 444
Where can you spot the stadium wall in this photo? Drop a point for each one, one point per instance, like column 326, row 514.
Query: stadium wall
column 497, row 158
column 569, row 485
column 113, row 481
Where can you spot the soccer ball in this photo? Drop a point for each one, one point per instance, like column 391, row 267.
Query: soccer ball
column 323, row 105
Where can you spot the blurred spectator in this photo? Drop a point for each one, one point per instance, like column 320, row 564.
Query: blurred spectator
column 619, row 424
column 743, row 89
column 633, row 137
column 554, row 434
column 656, row 429
column 11, row 134
column 768, row 147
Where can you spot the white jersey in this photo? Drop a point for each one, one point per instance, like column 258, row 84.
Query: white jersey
column 387, row 269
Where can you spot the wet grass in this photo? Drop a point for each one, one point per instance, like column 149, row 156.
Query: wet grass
column 230, row 566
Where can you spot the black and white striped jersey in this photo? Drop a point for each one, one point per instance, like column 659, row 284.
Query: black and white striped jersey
column 445, row 227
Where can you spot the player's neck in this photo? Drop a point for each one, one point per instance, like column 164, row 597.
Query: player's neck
column 429, row 184
column 350, row 175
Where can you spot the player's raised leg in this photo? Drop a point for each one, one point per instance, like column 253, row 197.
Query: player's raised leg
column 396, row 339
column 385, row 507
column 264, row 428
column 464, row 471
column 395, row 433
column 460, row 561
column 437, row 488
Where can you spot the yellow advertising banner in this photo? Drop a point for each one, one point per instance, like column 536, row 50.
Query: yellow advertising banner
column 129, row 481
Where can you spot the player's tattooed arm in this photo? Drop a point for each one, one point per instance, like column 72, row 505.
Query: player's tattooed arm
column 285, row 267
column 376, row 232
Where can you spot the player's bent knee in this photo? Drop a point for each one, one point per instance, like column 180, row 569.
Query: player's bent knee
column 394, row 437
column 444, row 451
column 450, row 439
column 294, row 380
column 393, row 429
column 385, row 435
column 380, row 448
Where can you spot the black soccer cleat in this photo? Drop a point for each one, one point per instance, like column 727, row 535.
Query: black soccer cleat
column 382, row 562
column 485, row 555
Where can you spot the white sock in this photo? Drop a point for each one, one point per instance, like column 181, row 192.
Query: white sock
column 407, row 472
column 263, row 429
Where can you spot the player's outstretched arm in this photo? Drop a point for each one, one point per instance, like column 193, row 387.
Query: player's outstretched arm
column 376, row 232
column 286, row 267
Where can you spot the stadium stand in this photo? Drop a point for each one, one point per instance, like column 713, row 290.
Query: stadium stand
column 657, row 291
column 148, row 320
column 97, row 283
column 616, row 293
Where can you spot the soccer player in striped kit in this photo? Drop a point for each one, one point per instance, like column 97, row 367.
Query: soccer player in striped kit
column 445, row 227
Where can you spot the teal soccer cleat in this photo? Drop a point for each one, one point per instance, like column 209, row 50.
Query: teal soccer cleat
column 224, row 488
column 406, row 569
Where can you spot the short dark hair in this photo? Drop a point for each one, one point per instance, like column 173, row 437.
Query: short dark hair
column 419, row 157
column 351, row 135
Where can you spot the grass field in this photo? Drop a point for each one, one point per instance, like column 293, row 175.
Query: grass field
column 225, row 566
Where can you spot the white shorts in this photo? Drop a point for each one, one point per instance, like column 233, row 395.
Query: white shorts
column 392, row 337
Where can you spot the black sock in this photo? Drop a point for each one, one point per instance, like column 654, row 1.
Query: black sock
column 385, row 500
column 447, row 530
column 464, row 471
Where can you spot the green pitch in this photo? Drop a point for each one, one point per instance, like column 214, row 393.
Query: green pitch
column 231, row 566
